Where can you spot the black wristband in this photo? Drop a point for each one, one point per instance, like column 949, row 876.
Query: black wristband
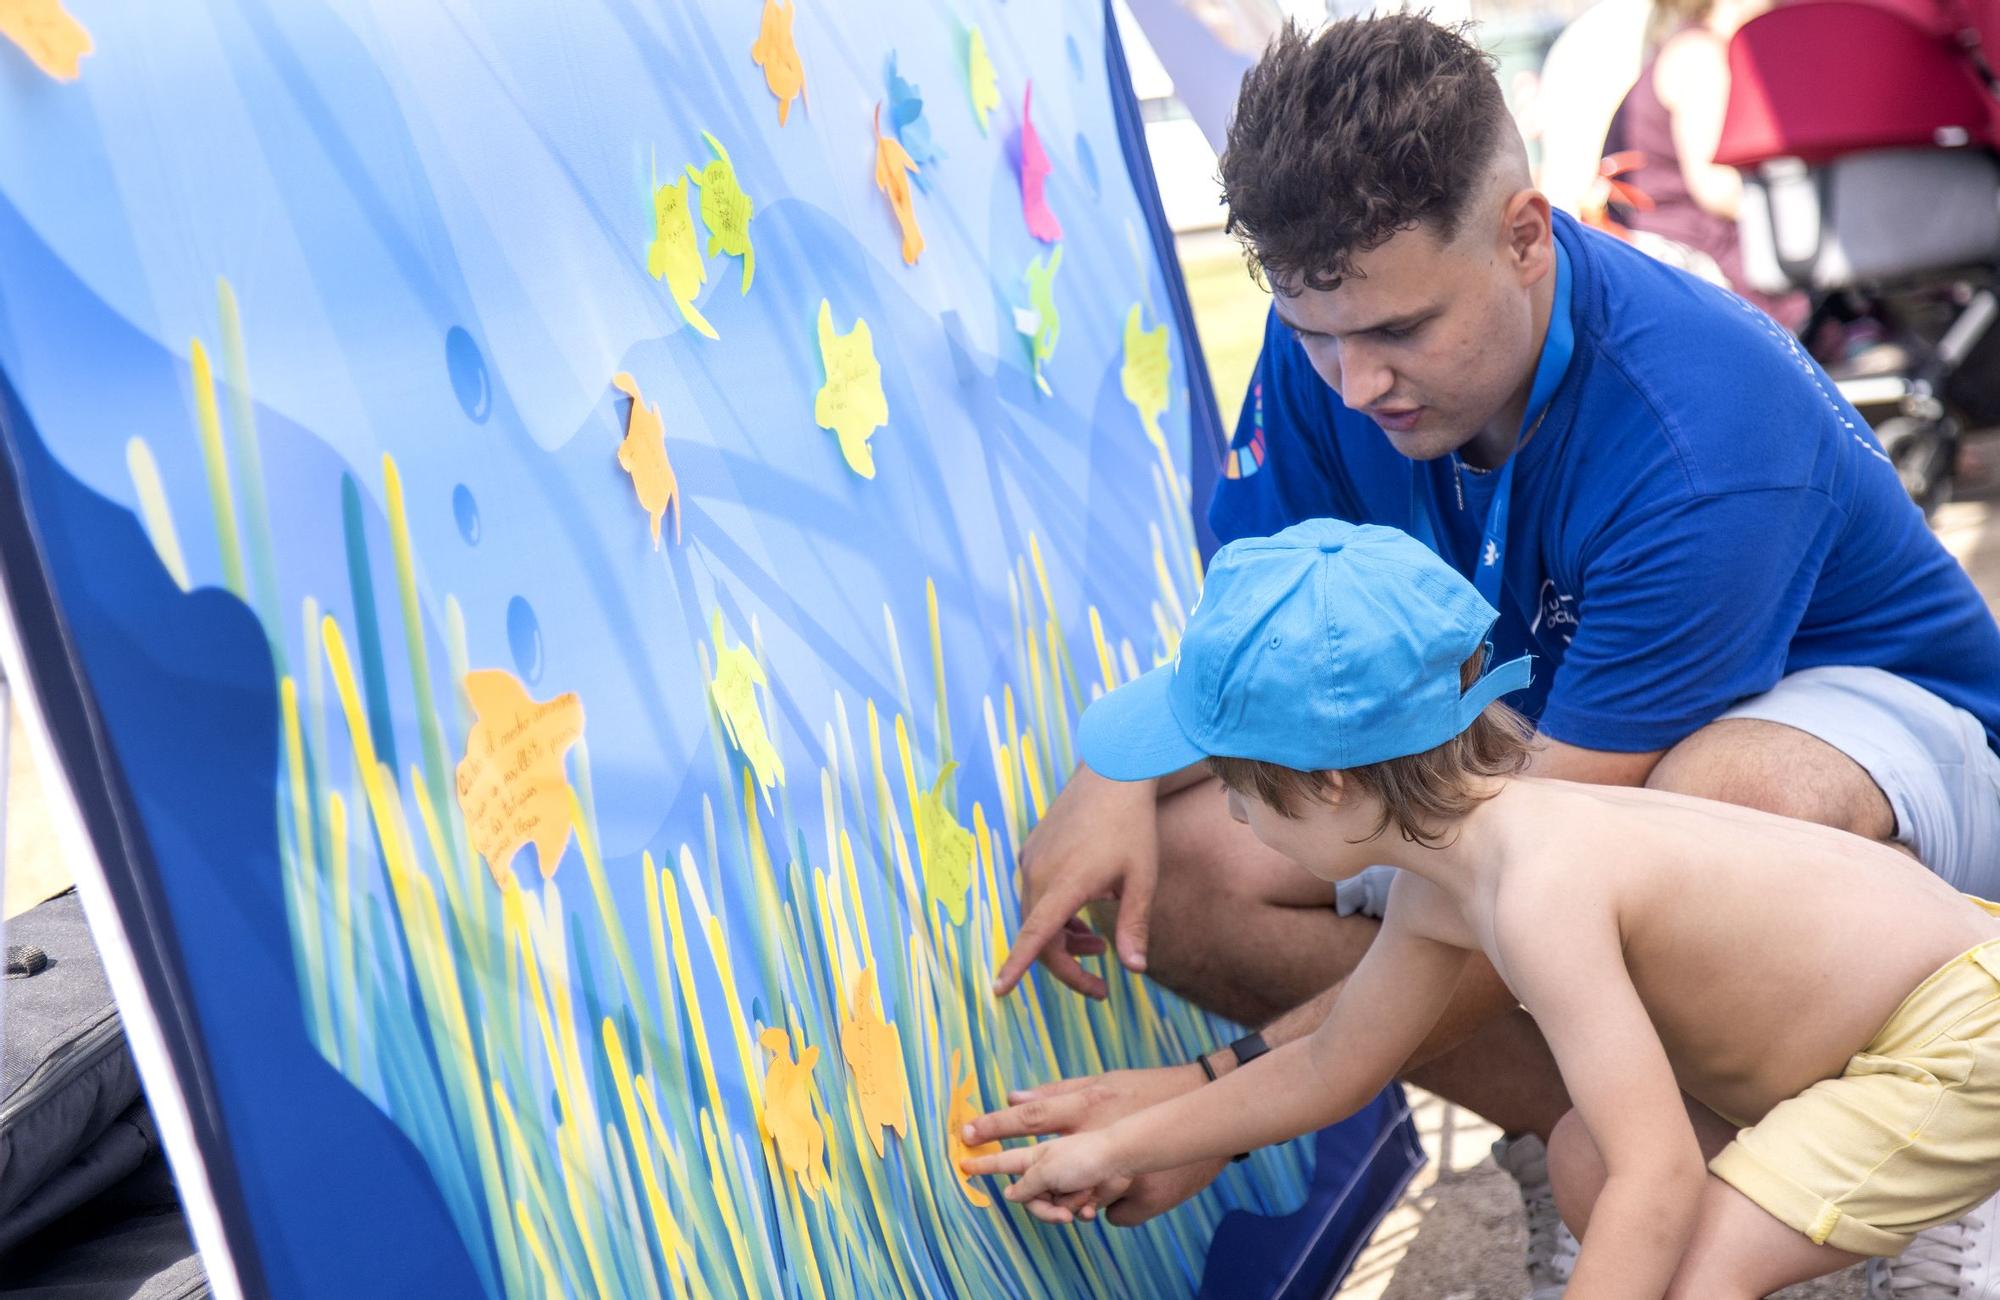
column 1248, row 1048
column 1201, row 1059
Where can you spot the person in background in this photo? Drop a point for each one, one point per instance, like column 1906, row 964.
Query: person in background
column 1664, row 137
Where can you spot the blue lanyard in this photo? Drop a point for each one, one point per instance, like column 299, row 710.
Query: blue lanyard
column 1557, row 348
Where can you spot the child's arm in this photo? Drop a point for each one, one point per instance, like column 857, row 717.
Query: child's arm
column 1561, row 945
column 1389, row 1005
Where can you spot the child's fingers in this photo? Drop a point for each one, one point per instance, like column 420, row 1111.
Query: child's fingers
column 1037, row 1117
column 1013, row 1161
column 1050, row 1212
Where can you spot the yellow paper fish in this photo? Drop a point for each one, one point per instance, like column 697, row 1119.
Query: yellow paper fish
column 851, row 402
column 893, row 169
column 777, row 54
column 512, row 787
column 725, row 208
column 788, row 1111
column 874, row 1052
column 946, row 848
column 962, row 1111
column 737, row 675
column 643, row 455
column 1043, row 322
column 47, row 34
column 675, row 252
column 984, row 82
column 1145, row 373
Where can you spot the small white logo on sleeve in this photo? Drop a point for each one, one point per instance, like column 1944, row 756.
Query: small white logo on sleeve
column 1557, row 611
column 1492, row 555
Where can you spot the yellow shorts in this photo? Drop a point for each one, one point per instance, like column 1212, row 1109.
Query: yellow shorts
column 1906, row 1138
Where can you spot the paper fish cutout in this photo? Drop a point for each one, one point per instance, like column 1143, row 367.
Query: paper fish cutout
column 946, row 848
column 851, row 403
column 511, row 784
column 675, row 252
column 962, row 1111
column 725, row 208
column 643, row 455
column 980, row 77
column 911, row 127
column 1041, row 324
column 892, row 163
column 1035, row 169
column 1144, row 374
column 777, row 54
column 51, row 38
column 737, row 675
column 788, row 1111
column 874, row 1052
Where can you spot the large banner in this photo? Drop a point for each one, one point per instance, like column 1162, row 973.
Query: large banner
column 560, row 548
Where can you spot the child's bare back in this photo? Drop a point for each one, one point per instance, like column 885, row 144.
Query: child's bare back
column 1756, row 942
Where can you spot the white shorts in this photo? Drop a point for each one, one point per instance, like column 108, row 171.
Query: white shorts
column 1929, row 757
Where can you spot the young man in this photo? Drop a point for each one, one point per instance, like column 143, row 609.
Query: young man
column 1840, row 1004
column 1661, row 494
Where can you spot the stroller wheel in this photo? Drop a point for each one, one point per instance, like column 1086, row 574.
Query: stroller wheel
column 1924, row 453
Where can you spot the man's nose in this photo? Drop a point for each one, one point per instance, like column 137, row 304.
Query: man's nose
column 1364, row 380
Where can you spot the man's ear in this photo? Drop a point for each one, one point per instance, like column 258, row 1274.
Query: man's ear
column 1334, row 787
column 1528, row 235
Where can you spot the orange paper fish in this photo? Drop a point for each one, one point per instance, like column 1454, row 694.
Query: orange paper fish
column 788, row 1110
column 874, row 1052
column 777, row 54
column 893, row 168
column 511, row 784
column 47, row 34
column 962, row 1112
column 643, row 455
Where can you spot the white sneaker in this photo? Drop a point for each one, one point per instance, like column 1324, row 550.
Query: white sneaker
column 1551, row 1246
column 1959, row 1261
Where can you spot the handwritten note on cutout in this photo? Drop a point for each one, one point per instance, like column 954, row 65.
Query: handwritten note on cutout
column 734, row 690
column 980, row 77
column 963, row 1110
column 893, row 166
column 910, row 125
column 46, row 32
column 778, row 55
column 873, row 1049
column 1041, row 323
column 946, row 848
column 1035, row 169
column 643, row 455
column 851, row 402
column 788, row 1110
column 675, row 252
column 1145, row 372
column 511, row 784
column 725, row 208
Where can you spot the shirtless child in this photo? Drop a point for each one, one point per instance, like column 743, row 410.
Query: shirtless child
column 1837, row 1003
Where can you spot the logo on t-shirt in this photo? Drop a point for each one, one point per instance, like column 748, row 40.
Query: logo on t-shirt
column 1246, row 455
column 1555, row 611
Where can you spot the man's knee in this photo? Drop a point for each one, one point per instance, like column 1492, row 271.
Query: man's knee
column 1776, row 769
column 1576, row 1171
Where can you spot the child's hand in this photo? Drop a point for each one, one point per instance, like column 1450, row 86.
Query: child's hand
column 1058, row 1179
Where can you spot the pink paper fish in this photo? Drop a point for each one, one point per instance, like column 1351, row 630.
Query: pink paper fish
column 1035, row 169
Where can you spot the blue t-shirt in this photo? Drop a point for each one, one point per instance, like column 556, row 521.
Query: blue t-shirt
column 1699, row 514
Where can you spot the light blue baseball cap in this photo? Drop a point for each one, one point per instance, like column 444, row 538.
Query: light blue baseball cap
column 1329, row 645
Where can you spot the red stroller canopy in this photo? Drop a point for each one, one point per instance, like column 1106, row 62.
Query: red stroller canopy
column 1821, row 78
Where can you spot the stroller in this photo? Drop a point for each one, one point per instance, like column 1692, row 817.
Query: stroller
column 1868, row 134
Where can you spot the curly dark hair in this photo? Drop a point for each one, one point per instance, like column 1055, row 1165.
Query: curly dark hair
column 1340, row 140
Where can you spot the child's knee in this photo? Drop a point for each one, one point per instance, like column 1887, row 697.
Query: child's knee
column 1576, row 1169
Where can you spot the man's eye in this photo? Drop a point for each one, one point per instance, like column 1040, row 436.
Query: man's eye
column 1395, row 334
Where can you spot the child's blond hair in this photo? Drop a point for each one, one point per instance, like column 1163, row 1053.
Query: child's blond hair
column 1423, row 795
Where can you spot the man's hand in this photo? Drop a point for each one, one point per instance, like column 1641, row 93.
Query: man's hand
column 1096, row 1102
column 1097, row 841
